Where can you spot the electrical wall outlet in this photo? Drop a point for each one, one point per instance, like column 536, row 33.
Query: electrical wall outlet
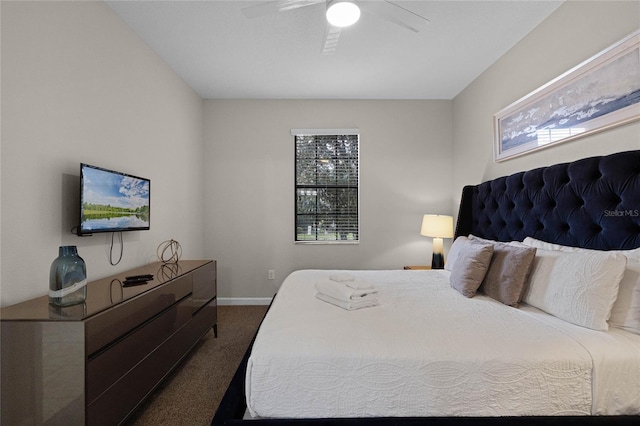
column 271, row 274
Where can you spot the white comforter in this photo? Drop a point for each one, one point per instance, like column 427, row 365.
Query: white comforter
column 425, row 351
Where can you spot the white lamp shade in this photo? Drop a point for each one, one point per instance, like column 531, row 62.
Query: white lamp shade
column 437, row 226
column 341, row 13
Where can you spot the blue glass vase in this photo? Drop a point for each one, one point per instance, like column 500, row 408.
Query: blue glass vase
column 67, row 278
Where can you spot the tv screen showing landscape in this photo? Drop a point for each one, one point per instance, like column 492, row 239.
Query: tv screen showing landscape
column 112, row 201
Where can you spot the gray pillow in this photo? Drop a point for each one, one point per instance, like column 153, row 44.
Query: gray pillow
column 454, row 252
column 508, row 273
column 470, row 267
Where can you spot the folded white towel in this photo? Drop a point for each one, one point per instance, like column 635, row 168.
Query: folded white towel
column 342, row 277
column 359, row 285
column 340, row 291
column 364, row 302
column 350, row 281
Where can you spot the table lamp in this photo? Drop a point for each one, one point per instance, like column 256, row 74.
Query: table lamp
column 438, row 227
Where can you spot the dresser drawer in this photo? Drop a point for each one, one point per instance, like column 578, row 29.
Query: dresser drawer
column 124, row 396
column 106, row 327
column 204, row 285
column 107, row 366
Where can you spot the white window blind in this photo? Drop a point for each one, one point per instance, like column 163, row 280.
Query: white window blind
column 327, row 186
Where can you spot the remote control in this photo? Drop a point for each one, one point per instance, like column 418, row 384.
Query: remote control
column 136, row 281
column 135, row 277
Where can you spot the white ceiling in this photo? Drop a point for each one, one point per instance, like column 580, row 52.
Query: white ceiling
column 221, row 53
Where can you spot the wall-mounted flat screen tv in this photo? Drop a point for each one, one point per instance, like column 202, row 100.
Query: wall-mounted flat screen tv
column 112, row 201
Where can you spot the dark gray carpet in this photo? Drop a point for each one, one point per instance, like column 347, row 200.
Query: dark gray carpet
column 190, row 396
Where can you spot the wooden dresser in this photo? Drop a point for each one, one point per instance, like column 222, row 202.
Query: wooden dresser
column 94, row 363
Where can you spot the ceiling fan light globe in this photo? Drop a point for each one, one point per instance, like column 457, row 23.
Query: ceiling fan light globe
column 342, row 13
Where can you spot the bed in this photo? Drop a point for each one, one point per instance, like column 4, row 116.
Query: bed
column 429, row 355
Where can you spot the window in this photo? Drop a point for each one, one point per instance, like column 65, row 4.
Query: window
column 327, row 164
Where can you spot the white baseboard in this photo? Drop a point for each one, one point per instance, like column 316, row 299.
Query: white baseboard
column 222, row 301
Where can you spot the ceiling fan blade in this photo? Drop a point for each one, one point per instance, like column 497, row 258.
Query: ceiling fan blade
column 395, row 13
column 265, row 8
column 331, row 38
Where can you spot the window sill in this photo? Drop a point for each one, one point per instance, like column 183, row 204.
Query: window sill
column 345, row 242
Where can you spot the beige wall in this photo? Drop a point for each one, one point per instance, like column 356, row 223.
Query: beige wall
column 79, row 86
column 405, row 171
column 576, row 31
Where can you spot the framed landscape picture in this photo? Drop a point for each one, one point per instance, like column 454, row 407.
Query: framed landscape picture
column 602, row 92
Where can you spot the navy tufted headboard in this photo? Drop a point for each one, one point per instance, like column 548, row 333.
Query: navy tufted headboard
column 592, row 203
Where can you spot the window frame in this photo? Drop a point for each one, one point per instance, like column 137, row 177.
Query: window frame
column 324, row 132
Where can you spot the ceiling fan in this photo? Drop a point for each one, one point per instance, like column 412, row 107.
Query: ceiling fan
column 342, row 13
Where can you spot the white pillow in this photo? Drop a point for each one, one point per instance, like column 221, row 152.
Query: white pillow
column 625, row 312
column 578, row 287
column 532, row 242
column 454, row 252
